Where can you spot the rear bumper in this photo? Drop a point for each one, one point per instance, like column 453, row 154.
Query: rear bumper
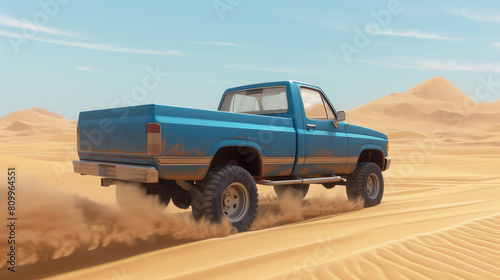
column 124, row 172
column 387, row 164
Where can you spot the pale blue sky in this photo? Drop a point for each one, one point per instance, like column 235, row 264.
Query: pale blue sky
column 67, row 56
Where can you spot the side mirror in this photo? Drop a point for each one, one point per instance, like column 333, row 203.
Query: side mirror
column 341, row 116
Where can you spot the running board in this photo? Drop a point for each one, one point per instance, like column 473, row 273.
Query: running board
column 300, row 181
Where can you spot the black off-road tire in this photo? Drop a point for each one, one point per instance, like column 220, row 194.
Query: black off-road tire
column 156, row 189
column 298, row 190
column 227, row 191
column 366, row 182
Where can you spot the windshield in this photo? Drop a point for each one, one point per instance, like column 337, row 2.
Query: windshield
column 256, row 101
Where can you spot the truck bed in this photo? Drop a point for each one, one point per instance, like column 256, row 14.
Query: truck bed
column 189, row 138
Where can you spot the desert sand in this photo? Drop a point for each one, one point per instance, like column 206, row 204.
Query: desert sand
column 439, row 219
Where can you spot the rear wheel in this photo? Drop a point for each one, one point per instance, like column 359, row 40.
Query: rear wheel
column 366, row 182
column 297, row 190
column 227, row 191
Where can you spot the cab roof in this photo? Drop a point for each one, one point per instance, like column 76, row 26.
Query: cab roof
column 268, row 84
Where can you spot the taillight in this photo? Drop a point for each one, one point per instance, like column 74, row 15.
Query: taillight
column 154, row 139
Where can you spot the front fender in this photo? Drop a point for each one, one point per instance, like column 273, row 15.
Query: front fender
column 371, row 147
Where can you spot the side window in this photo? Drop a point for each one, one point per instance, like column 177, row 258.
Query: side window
column 315, row 106
column 329, row 110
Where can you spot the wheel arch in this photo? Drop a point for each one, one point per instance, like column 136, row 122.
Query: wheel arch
column 244, row 153
column 373, row 154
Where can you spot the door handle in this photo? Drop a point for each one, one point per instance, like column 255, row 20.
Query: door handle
column 311, row 126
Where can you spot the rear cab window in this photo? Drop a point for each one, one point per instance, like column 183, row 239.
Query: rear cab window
column 260, row 101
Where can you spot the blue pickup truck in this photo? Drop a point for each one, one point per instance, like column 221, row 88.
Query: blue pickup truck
column 281, row 134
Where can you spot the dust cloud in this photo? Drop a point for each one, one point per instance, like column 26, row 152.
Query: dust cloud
column 54, row 223
column 293, row 209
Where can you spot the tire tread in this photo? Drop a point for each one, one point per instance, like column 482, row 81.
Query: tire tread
column 355, row 181
column 202, row 205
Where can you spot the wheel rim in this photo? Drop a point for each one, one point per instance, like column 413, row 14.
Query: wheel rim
column 373, row 186
column 235, row 202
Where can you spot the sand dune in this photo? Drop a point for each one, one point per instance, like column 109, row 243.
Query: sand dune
column 433, row 104
column 34, row 125
column 495, row 128
column 304, row 250
column 439, row 219
column 438, row 88
column 467, row 251
column 18, row 126
column 34, row 115
column 406, row 134
column 450, row 186
column 63, row 138
column 47, row 113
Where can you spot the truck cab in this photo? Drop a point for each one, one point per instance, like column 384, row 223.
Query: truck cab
column 324, row 142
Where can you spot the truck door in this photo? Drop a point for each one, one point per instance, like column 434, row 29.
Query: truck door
column 326, row 140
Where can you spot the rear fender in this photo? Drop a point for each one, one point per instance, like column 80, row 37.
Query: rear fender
column 236, row 143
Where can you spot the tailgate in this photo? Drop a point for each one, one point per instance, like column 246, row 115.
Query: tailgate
column 116, row 135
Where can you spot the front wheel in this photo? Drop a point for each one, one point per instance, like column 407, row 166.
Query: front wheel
column 366, row 182
column 227, row 191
